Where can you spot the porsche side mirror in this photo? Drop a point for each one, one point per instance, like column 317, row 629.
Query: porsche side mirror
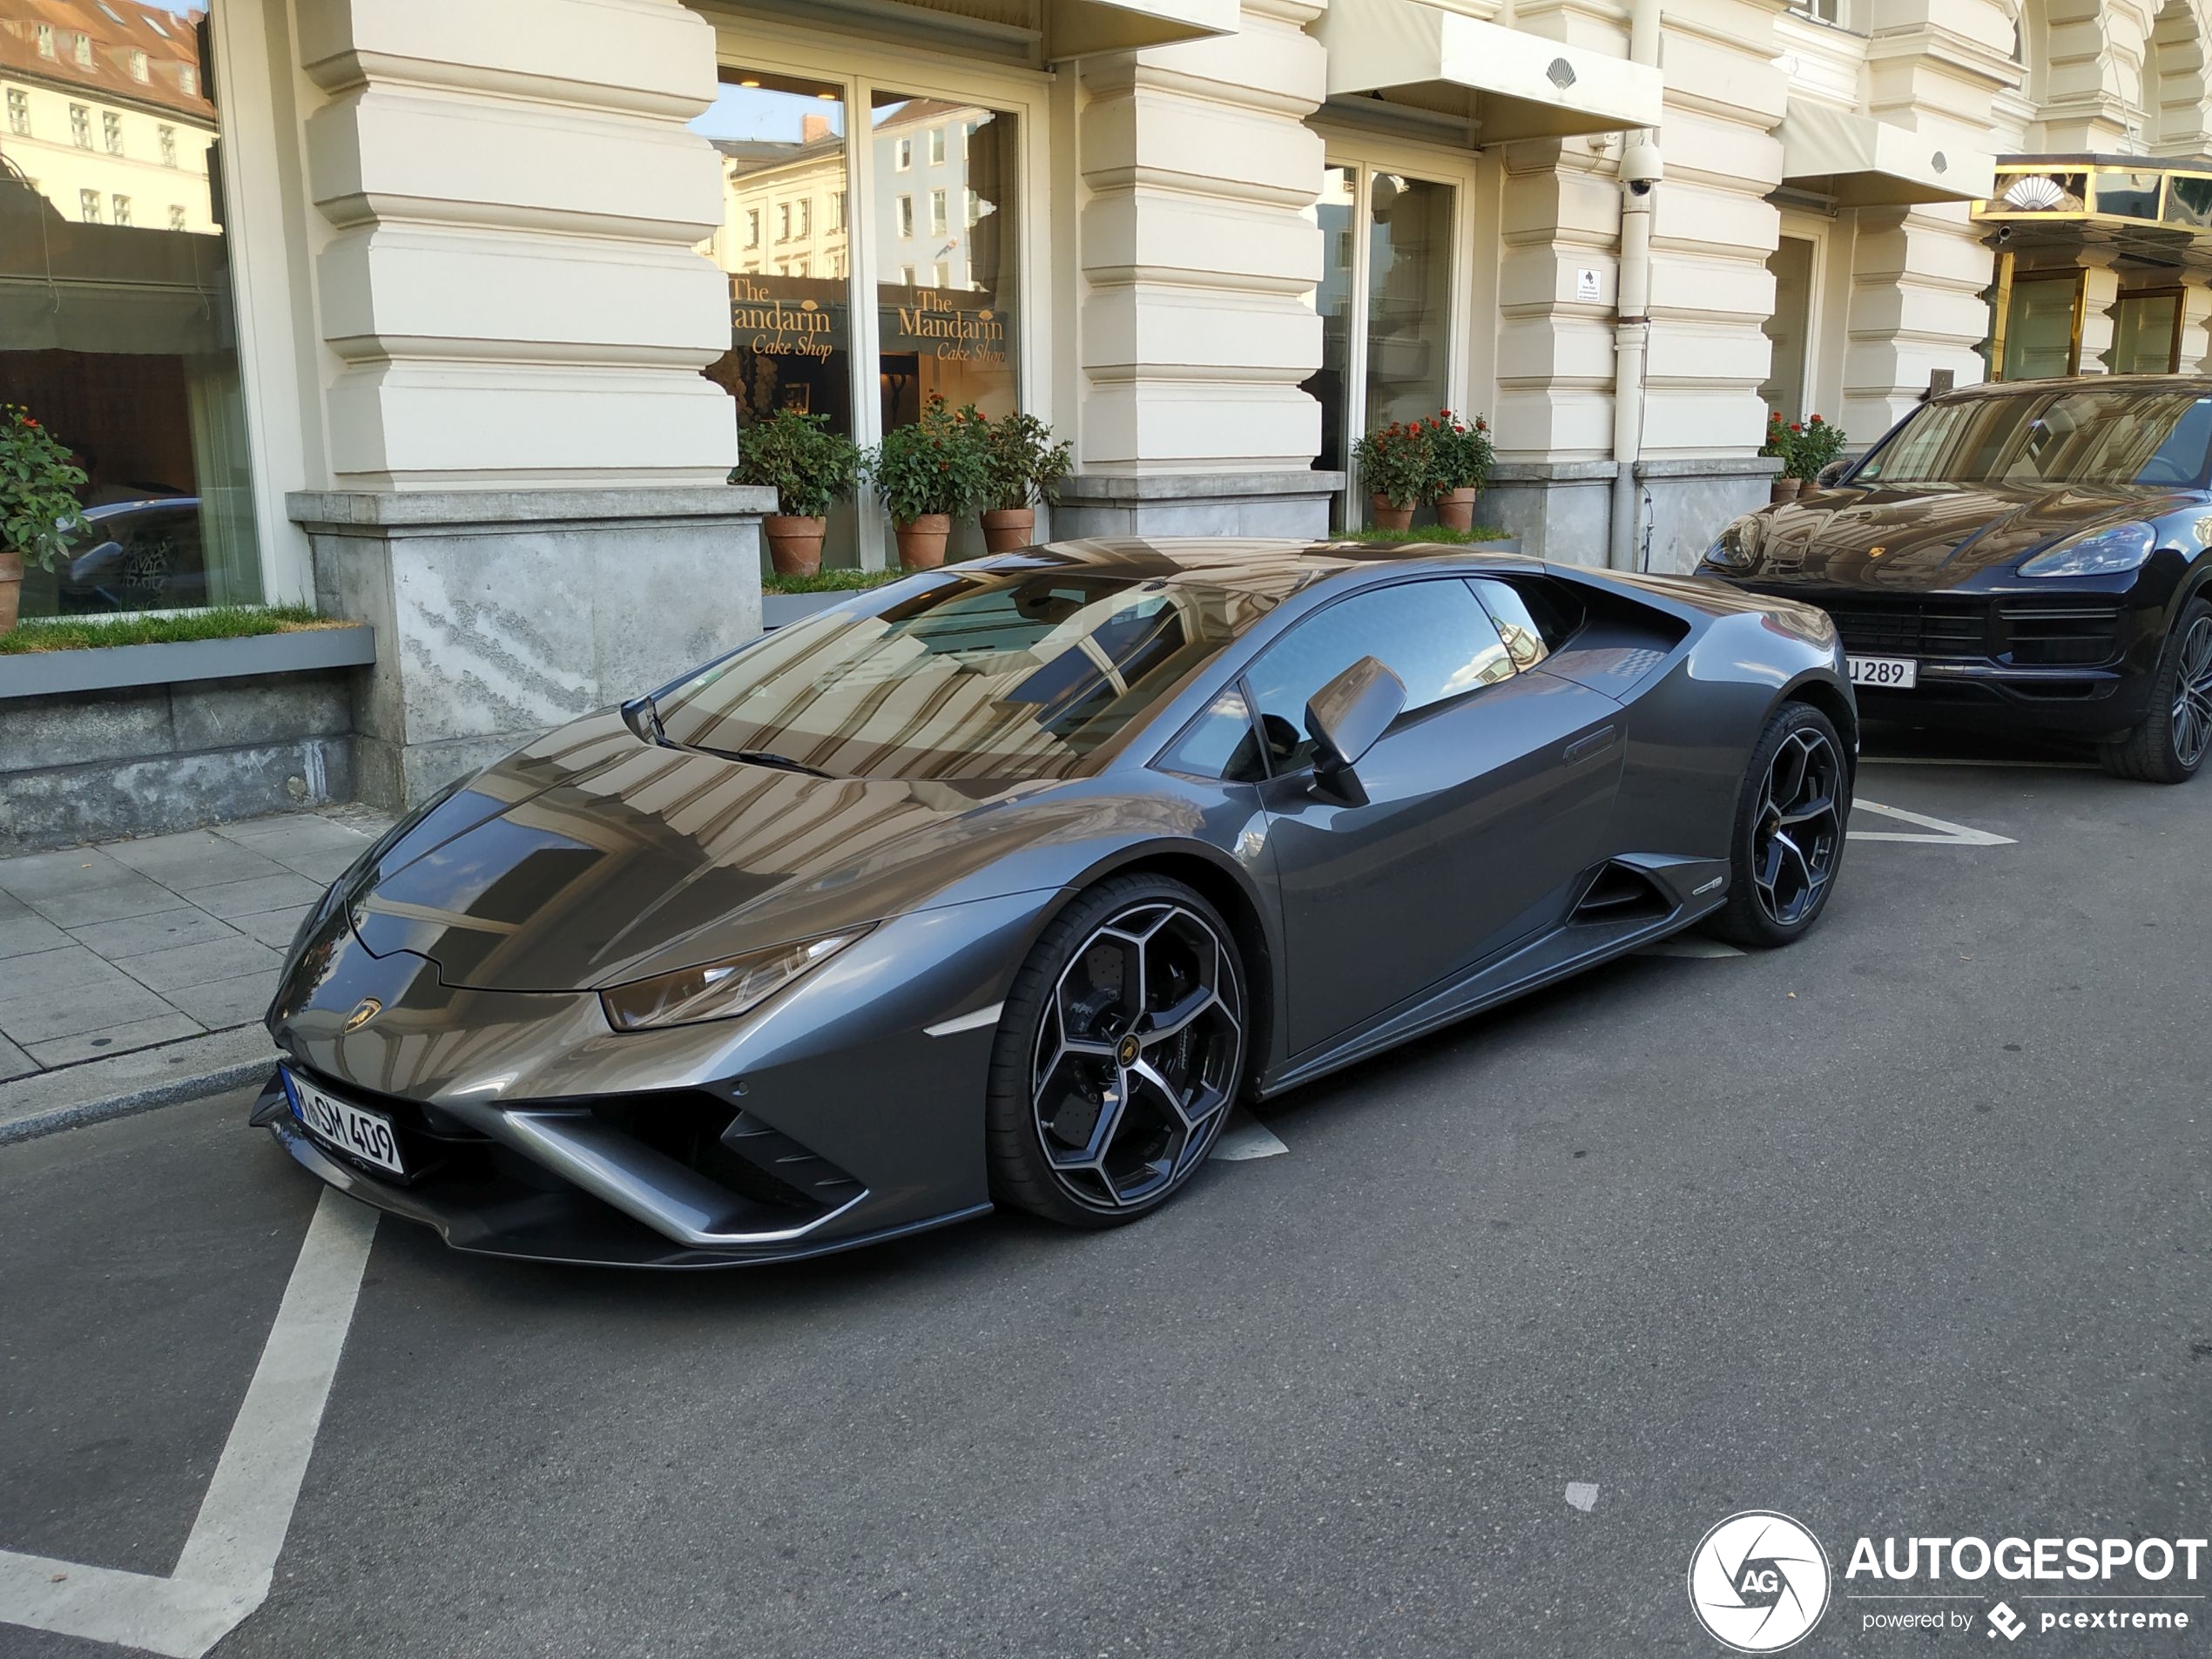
column 1345, row 716
column 1831, row 474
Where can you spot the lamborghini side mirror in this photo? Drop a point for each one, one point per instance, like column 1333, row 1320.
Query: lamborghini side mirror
column 1345, row 716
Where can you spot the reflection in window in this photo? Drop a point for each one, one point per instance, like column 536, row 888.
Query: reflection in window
column 120, row 336
column 1434, row 636
column 1333, row 300
column 1409, row 292
column 2145, row 336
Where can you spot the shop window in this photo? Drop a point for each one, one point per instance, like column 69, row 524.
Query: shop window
column 790, row 140
column 1789, row 330
column 117, row 334
column 18, row 112
column 1385, row 301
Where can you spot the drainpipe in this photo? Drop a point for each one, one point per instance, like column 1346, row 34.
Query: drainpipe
column 1640, row 173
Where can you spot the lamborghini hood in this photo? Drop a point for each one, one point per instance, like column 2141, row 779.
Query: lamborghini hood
column 595, row 856
column 1933, row 536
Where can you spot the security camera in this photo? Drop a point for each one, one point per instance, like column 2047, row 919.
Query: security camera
column 2004, row 235
column 1639, row 163
column 1639, row 187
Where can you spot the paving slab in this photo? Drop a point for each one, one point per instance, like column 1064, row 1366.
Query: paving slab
column 14, row 1063
column 200, row 963
column 135, row 896
column 235, row 1000
column 110, row 998
column 255, row 895
column 27, row 934
column 273, row 927
column 127, row 941
column 115, row 1039
column 194, row 859
column 34, row 876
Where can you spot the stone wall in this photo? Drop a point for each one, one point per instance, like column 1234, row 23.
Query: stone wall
column 144, row 760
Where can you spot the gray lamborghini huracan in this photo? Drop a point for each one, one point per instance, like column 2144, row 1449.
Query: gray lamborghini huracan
column 1004, row 883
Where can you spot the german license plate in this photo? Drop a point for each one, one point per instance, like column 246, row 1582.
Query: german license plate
column 1884, row 673
column 346, row 1127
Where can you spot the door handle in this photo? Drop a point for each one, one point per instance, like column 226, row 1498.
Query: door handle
column 1582, row 748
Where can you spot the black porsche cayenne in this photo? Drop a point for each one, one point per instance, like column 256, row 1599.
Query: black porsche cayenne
column 2030, row 554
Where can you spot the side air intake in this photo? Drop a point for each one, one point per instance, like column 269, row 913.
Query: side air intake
column 1618, row 893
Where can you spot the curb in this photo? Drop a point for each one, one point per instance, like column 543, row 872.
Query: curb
column 127, row 1085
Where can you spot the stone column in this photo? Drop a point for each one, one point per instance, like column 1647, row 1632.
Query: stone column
column 1198, row 255
column 2196, row 331
column 2100, row 290
column 1919, row 273
column 525, row 467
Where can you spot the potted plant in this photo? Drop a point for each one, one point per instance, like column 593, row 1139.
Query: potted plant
column 38, row 506
column 1812, row 447
column 811, row 468
column 925, row 473
column 1460, row 468
column 1786, row 483
column 1021, row 465
column 1395, row 462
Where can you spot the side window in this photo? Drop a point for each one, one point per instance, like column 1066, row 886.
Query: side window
column 1434, row 635
column 1218, row 744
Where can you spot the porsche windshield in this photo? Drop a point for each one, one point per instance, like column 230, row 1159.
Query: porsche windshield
column 1003, row 673
column 2064, row 435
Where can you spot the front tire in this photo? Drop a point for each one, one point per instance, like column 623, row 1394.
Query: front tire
column 2169, row 746
column 1787, row 843
column 1122, row 1046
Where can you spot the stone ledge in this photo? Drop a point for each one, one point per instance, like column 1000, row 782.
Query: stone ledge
column 1552, row 472
column 106, row 668
column 1711, row 467
column 1121, row 488
column 100, row 1090
column 448, row 512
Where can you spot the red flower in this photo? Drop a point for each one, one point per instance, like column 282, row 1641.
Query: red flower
column 1794, row 426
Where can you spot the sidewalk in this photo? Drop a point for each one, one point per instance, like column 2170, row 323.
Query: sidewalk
column 132, row 946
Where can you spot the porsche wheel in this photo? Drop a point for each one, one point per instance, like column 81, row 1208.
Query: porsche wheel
column 1120, row 1051
column 1789, row 832
column 2169, row 747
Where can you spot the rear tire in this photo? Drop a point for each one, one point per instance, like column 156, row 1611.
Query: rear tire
column 1787, row 843
column 1121, row 1051
column 2169, row 746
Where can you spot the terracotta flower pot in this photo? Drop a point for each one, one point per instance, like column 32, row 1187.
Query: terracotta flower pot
column 921, row 543
column 795, row 542
column 1455, row 509
column 1009, row 529
column 10, row 589
column 1385, row 517
column 1786, row 489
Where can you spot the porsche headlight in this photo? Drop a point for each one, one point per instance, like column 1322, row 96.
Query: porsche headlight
column 2105, row 552
column 1737, row 547
column 717, row 990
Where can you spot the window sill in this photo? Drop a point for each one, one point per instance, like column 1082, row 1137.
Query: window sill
column 104, row 667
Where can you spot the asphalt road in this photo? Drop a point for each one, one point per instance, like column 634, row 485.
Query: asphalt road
column 1901, row 1231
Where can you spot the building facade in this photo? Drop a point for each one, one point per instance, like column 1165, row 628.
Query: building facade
column 470, row 304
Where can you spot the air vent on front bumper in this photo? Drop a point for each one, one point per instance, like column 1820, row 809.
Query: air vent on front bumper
column 729, row 1147
column 1914, row 628
column 2048, row 636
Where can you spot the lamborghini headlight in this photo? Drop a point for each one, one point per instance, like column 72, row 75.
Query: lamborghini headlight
column 1736, row 548
column 2105, row 552
column 719, row 991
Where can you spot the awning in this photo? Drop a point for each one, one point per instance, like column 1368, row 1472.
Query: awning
column 1078, row 28
column 1512, row 85
column 1865, row 163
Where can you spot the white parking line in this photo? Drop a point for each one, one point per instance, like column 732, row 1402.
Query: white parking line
column 229, row 1560
column 1245, row 1138
column 1939, row 831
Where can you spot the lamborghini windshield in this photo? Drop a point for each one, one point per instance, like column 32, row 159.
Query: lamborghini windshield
column 2065, row 434
column 1020, row 673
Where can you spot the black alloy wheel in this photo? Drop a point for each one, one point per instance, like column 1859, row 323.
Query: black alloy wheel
column 1120, row 1053
column 1790, row 825
column 2169, row 747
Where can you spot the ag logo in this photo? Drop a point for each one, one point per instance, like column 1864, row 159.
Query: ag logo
column 1758, row 1582
column 365, row 1010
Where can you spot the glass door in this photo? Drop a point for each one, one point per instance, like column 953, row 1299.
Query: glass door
column 2042, row 332
column 1387, row 300
column 2146, row 333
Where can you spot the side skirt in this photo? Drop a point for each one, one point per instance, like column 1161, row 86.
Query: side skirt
column 1566, row 950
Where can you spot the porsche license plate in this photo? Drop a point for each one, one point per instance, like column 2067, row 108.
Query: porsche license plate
column 1884, row 673
column 346, row 1127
